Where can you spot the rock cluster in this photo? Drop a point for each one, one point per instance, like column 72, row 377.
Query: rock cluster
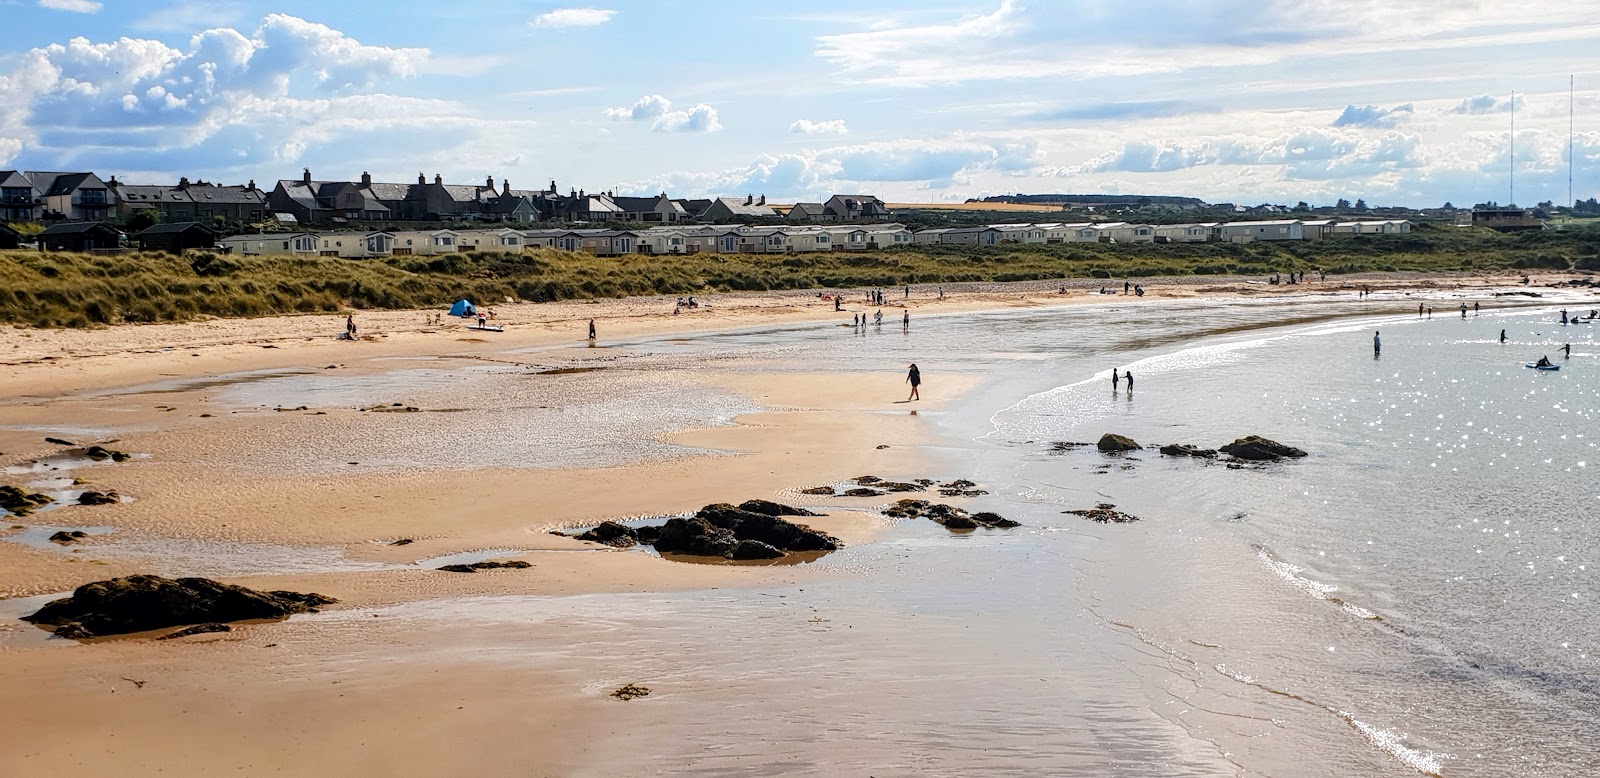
column 751, row 530
column 101, row 454
column 145, row 602
column 1105, row 513
column 22, row 503
column 960, row 487
column 98, row 498
column 949, row 516
column 1186, row 450
column 631, row 691
column 1112, row 443
column 515, row 564
column 612, row 534
column 68, row 537
column 1255, row 448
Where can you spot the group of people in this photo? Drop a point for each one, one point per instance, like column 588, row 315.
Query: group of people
column 1116, row 381
column 860, row 320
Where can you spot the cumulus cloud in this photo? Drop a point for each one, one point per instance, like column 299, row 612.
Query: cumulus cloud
column 564, row 18
column 1372, row 116
column 74, row 6
column 658, row 111
column 1482, row 104
column 82, row 99
column 923, row 163
column 808, row 127
column 1307, row 153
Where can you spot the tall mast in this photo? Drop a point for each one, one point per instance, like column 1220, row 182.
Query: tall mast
column 1513, row 149
column 1570, row 105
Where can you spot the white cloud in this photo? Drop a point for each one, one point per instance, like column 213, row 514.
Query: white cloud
column 1308, row 153
column 656, row 109
column 564, row 18
column 1484, row 104
column 74, row 6
column 808, row 127
column 1372, row 115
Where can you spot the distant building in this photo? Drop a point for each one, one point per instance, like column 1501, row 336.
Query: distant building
column 80, row 236
column 807, row 212
column 1500, row 219
column 9, row 238
column 732, row 209
column 196, row 201
column 176, row 237
column 856, row 208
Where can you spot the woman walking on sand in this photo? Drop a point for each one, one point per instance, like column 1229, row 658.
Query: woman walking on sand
column 591, row 330
column 914, row 377
column 905, row 322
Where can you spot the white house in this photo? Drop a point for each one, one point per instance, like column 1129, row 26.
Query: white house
column 887, row 236
column 1182, row 233
column 426, row 242
column 1246, row 232
column 355, row 245
column 930, row 236
column 503, row 239
column 303, row 243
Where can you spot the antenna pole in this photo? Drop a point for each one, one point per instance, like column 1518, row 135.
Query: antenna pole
column 1571, row 104
column 1513, row 149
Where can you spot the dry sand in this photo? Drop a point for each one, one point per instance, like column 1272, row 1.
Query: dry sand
column 289, row 698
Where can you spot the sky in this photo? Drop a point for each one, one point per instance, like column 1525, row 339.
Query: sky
column 1248, row 101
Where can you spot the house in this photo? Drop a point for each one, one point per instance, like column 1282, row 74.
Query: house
column 694, row 207
column 972, row 236
column 1317, row 229
column 1246, row 232
column 887, row 236
column 650, row 209
column 1019, row 233
column 856, row 208
column 9, row 238
column 806, row 212
column 190, row 201
column 724, row 209
column 581, row 207
column 71, row 196
column 1182, row 233
column 608, row 243
column 176, row 237
column 806, row 239
column 847, row 237
column 767, row 240
column 564, row 240
column 18, row 202
column 930, row 236
column 340, row 202
column 1500, row 219
column 503, row 239
column 425, row 242
column 355, row 244
column 169, row 203
column 302, row 243
column 80, row 236
column 511, row 207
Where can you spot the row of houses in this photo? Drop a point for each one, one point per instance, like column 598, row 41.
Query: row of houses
column 1124, row 232
column 307, row 201
column 681, row 239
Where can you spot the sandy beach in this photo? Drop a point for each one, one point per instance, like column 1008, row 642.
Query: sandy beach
column 271, row 455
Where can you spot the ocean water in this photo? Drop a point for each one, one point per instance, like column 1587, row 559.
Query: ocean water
column 1417, row 595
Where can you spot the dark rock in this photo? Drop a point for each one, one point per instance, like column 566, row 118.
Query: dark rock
column 959, row 523
column 867, row 480
column 1255, row 448
column 144, row 602
column 883, row 446
column 631, row 691
column 960, row 487
column 612, row 534
column 755, row 549
column 1186, row 450
column 73, row 632
column 647, row 535
column 780, row 533
column 1111, row 443
column 862, row 492
column 198, row 629
column 696, row 537
column 403, row 542
column 66, row 537
column 896, row 486
column 925, row 481
column 1060, row 446
column 822, row 490
column 98, row 498
column 994, row 520
column 20, row 502
column 773, row 508
column 59, row 442
column 1105, row 513
column 101, row 454
column 515, row 564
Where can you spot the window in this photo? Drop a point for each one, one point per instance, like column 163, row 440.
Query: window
column 822, row 239
column 286, row 245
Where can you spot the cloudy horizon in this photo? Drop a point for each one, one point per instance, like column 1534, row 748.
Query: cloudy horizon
column 1404, row 103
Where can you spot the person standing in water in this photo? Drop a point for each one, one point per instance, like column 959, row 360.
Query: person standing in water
column 1419, row 310
column 914, row 377
column 1502, row 336
column 1377, row 344
column 1567, row 349
column 1463, row 310
column 1115, row 381
column 1474, row 309
column 1128, row 374
column 591, row 330
column 905, row 322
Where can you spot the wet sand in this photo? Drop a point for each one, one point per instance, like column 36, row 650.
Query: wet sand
column 272, row 462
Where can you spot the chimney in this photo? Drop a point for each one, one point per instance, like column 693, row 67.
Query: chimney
column 749, row 199
column 305, row 177
column 422, row 180
column 581, row 193
column 574, row 194
column 366, row 178
column 113, row 181
column 183, row 183
column 252, row 185
column 438, row 179
column 490, row 184
column 505, row 186
column 553, row 189
column 762, row 201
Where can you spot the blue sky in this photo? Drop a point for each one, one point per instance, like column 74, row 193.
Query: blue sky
column 913, row 100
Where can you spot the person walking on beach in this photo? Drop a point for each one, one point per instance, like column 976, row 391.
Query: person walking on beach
column 905, row 322
column 1502, row 336
column 908, row 291
column 1567, row 349
column 1116, row 381
column 1474, row 309
column 877, row 318
column 1463, row 311
column 1430, row 313
column 914, row 377
column 591, row 330
column 1377, row 343
column 350, row 327
column 1419, row 310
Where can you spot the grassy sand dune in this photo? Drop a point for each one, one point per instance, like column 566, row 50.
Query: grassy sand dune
column 76, row 290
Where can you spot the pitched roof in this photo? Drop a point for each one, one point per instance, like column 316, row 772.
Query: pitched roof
column 74, row 228
column 59, row 183
column 390, row 192
column 207, row 193
column 174, row 227
column 739, row 208
column 6, row 228
column 808, row 209
column 138, row 193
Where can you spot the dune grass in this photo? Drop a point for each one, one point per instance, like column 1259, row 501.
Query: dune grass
column 77, row 290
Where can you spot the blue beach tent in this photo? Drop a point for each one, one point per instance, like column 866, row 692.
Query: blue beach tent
column 462, row 308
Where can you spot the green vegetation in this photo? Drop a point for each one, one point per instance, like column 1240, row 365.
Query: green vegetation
column 76, row 290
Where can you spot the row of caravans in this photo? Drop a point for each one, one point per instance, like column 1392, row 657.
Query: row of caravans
column 1123, row 232
column 658, row 240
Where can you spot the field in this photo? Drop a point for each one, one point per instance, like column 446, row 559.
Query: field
column 996, row 207
column 76, row 290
